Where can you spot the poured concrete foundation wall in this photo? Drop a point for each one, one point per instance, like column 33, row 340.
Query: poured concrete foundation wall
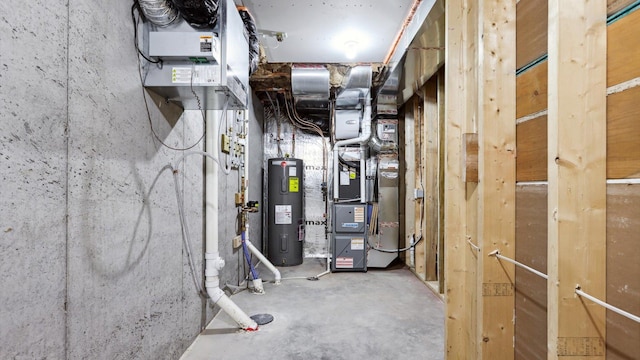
column 91, row 254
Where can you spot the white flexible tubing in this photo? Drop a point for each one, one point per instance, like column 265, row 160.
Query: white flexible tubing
column 213, row 262
column 362, row 139
column 264, row 261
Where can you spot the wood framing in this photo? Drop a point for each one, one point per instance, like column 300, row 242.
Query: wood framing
column 431, row 160
column 420, row 250
column 470, row 154
column 409, row 164
column 460, row 105
column 496, row 88
column 577, row 177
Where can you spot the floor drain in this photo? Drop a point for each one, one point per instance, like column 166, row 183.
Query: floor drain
column 262, row 319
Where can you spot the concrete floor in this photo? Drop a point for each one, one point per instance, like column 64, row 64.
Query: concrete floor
column 381, row 314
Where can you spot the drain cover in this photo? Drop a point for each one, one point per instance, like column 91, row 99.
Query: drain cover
column 262, row 319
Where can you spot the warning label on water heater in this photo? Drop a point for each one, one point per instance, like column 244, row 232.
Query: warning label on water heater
column 283, row 215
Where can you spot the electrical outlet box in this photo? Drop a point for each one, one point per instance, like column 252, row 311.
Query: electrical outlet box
column 418, row 193
column 225, row 143
column 237, row 241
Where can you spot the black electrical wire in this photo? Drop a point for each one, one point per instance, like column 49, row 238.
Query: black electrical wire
column 134, row 7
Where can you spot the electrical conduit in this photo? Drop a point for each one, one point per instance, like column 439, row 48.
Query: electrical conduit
column 213, row 262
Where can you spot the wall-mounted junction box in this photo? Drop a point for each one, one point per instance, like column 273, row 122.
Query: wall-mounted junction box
column 237, row 241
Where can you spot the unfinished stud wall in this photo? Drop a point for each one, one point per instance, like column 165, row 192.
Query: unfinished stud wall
column 623, row 162
column 90, row 243
column 539, row 332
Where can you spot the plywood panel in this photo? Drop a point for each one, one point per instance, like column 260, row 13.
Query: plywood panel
column 617, row 5
column 623, row 49
column 531, row 31
column 531, row 290
column 531, row 91
column 531, row 149
column 623, row 270
column 623, row 134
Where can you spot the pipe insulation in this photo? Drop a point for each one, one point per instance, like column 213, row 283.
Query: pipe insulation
column 158, row 12
column 200, row 14
column 213, row 262
column 254, row 44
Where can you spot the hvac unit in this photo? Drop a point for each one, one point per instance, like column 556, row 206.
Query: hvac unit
column 200, row 68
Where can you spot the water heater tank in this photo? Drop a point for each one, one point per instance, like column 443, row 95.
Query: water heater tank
column 285, row 201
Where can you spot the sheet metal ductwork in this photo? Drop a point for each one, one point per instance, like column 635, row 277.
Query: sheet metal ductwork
column 311, row 91
column 158, row 12
column 200, row 14
column 385, row 108
column 356, row 86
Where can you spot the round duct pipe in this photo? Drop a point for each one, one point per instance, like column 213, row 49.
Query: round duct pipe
column 158, row 12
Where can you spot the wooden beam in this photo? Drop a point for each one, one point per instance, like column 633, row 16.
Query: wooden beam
column 577, row 177
column 420, row 250
column 409, row 163
column 441, row 139
column 497, row 174
column 431, row 143
column 460, row 105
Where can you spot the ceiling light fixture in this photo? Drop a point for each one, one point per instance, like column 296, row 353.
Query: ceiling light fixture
column 351, row 49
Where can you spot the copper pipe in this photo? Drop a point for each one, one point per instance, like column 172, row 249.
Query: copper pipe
column 406, row 22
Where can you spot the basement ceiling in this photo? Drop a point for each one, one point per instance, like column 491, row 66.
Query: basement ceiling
column 324, row 31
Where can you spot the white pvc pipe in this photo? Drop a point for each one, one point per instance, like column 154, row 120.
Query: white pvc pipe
column 264, row 260
column 213, row 262
column 626, row 314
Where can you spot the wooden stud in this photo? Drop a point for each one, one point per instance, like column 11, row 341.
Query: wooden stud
column 460, row 105
column 431, row 161
column 577, row 177
column 420, row 250
column 497, row 175
column 408, row 154
column 441, row 138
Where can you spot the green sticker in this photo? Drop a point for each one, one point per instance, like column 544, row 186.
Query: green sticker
column 293, row 184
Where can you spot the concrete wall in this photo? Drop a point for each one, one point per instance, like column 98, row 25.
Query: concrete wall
column 91, row 255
